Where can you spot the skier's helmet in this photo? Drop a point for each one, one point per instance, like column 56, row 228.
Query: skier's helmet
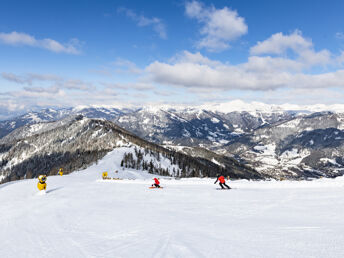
column 42, row 178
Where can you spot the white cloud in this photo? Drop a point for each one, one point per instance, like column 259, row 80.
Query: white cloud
column 56, row 81
column 220, row 26
column 312, row 58
column 53, row 90
column 283, row 68
column 29, row 78
column 36, row 93
column 142, row 21
column 258, row 73
column 279, row 43
column 22, row 39
column 268, row 64
column 196, row 71
column 193, row 75
column 10, row 108
column 42, row 90
column 10, row 105
column 30, row 97
column 138, row 86
column 194, row 9
column 294, row 95
column 73, row 84
column 197, row 58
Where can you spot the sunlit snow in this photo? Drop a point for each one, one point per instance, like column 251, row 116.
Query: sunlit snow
column 82, row 215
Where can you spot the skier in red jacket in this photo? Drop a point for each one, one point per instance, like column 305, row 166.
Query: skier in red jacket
column 222, row 182
column 156, row 183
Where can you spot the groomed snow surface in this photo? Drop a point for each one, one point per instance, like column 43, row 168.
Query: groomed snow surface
column 82, row 215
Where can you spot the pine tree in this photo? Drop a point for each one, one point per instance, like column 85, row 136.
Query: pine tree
column 151, row 167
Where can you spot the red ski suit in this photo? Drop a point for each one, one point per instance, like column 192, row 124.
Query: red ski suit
column 222, row 179
column 156, row 181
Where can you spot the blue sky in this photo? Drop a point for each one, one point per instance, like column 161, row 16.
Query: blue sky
column 69, row 53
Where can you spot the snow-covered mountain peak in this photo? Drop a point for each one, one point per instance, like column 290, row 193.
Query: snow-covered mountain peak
column 113, row 106
column 253, row 107
column 240, row 106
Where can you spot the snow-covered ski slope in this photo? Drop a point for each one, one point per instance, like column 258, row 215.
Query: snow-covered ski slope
column 84, row 216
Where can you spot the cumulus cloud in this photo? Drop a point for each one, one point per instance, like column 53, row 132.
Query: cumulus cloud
column 142, row 21
column 195, row 75
column 280, row 44
column 22, row 39
column 281, row 61
column 258, row 73
column 196, row 58
column 219, row 26
column 279, row 67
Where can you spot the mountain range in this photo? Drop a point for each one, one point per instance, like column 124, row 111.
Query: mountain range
column 76, row 142
column 272, row 141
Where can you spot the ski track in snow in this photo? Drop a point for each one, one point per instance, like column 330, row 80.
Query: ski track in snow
column 83, row 216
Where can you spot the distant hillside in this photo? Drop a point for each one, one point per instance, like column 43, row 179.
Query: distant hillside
column 274, row 140
column 75, row 143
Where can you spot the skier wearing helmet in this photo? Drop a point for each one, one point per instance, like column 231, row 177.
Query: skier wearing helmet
column 42, row 185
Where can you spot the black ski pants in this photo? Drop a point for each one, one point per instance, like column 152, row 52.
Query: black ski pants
column 224, row 184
